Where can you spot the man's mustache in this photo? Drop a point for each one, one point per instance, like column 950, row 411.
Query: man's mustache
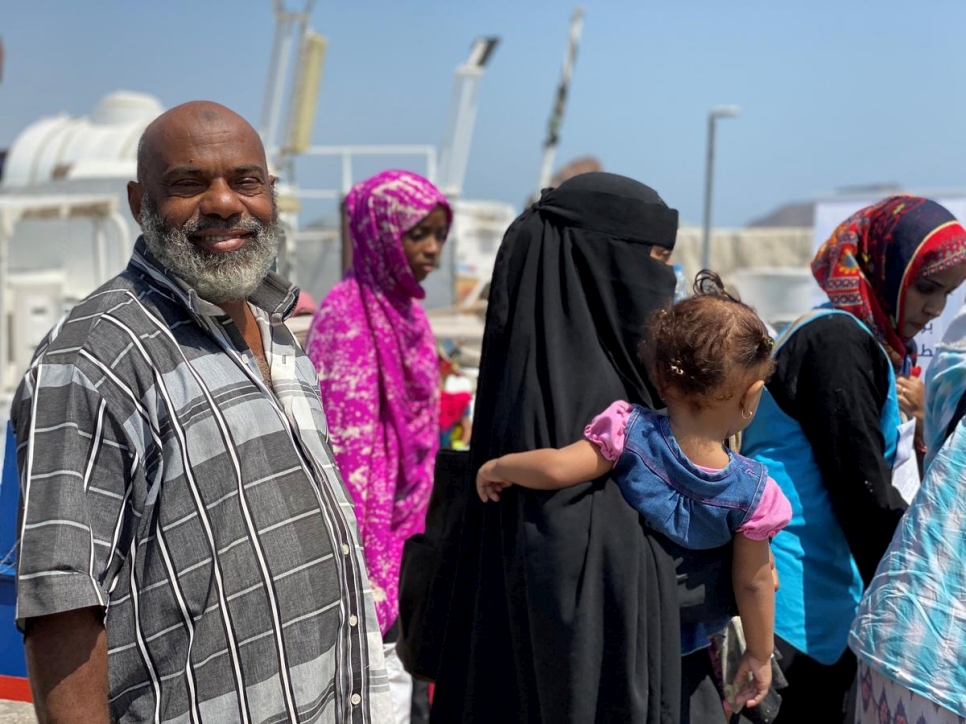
column 218, row 224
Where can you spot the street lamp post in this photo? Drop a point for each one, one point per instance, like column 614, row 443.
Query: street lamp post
column 713, row 116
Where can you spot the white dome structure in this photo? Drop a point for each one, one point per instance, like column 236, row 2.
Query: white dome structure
column 101, row 145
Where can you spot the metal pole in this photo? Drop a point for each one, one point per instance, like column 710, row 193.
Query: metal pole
column 272, row 142
column 6, row 231
column 344, row 237
column 560, row 103
column 285, row 261
column 458, row 137
column 284, row 116
column 453, row 266
column 273, row 78
column 100, row 251
column 708, row 187
column 346, row 172
column 123, row 234
column 431, row 165
column 462, row 138
column 447, row 150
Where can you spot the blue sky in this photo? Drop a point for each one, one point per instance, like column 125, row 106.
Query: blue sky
column 832, row 93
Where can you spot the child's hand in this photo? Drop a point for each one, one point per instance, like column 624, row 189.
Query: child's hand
column 488, row 484
column 754, row 690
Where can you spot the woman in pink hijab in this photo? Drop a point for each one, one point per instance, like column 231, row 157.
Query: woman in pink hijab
column 378, row 372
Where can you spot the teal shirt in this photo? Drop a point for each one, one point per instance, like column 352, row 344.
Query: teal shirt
column 820, row 582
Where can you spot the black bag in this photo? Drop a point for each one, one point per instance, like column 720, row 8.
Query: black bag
column 429, row 566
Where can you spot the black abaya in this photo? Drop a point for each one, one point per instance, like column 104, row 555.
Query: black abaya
column 565, row 607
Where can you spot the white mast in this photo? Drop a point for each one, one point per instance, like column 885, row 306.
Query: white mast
column 288, row 26
column 560, row 102
column 454, row 152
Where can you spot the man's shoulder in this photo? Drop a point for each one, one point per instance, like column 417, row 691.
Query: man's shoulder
column 100, row 321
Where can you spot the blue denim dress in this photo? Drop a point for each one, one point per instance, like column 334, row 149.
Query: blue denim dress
column 695, row 508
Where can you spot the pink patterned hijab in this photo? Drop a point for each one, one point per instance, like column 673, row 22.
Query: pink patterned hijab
column 379, row 375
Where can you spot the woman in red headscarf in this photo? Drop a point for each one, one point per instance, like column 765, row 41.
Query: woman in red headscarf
column 828, row 430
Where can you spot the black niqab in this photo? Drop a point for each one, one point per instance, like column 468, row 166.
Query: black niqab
column 565, row 608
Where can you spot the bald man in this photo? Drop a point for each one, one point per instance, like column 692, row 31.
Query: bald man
column 187, row 551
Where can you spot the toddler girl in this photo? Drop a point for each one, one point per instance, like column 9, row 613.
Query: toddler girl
column 709, row 356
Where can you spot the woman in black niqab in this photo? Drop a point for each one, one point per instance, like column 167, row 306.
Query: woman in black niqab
column 565, row 607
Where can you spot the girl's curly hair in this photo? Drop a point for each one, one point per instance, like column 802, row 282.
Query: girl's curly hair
column 706, row 348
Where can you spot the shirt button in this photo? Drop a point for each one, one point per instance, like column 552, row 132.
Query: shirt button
column 355, row 699
column 353, row 620
column 345, row 549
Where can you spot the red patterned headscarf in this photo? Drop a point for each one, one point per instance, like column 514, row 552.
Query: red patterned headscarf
column 873, row 257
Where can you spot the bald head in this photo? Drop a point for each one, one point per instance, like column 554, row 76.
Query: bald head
column 195, row 118
column 199, row 152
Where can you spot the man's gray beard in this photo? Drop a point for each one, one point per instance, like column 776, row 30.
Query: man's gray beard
column 227, row 277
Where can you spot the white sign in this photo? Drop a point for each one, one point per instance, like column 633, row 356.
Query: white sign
column 830, row 213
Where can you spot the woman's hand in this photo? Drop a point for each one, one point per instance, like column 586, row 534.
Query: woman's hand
column 753, row 689
column 489, row 485
column 912, row 393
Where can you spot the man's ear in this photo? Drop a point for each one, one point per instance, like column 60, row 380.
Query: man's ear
column 135, row 195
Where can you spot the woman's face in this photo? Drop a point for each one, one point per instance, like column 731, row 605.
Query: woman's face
column 926, row 299
column 423, row 243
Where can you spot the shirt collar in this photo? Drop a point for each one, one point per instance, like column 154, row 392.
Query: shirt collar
column 276, row 296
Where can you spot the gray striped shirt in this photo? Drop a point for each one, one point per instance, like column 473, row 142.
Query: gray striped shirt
column 165, row 482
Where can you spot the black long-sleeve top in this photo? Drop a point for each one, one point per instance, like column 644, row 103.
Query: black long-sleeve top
column 833, row 379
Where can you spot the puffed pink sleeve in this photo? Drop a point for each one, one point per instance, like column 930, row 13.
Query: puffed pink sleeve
column 607, row 430
column 772, row 514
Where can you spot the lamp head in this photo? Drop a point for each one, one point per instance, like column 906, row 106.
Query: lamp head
column 725, row 112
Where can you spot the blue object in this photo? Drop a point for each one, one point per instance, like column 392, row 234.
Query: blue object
column 12, row 661
column 681, row 287
column 820, row 581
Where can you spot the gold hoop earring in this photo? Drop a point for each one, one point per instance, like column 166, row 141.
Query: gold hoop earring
column 748, row 416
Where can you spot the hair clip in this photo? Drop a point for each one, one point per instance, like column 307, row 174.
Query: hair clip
column 675, row 370
column 769, row 342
